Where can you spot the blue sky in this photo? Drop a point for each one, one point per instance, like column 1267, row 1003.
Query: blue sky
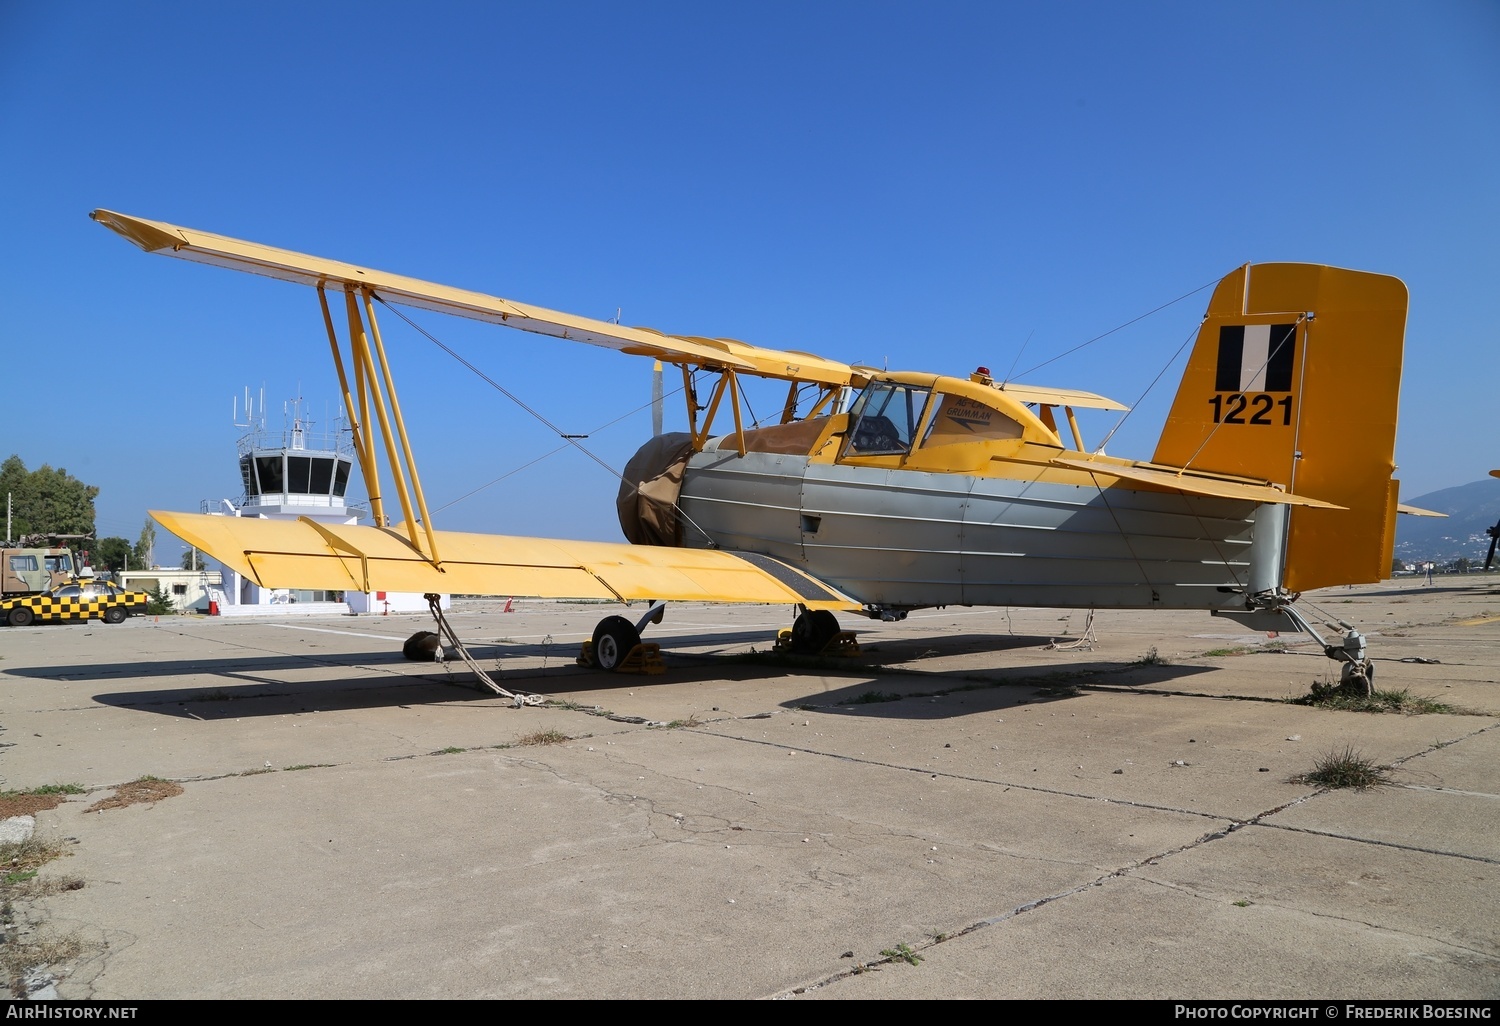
column 925, row 186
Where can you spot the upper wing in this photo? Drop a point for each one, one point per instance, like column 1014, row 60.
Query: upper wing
column 1059, row 397
column 286, row 265
column 306, row 554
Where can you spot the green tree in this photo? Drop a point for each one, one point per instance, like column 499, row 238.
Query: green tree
column 159, row 603
column 13, row 478
column 144, row 545
column 108, row 555
column 46, row 501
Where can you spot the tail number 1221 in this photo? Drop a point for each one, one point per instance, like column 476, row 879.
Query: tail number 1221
column 1259, row 408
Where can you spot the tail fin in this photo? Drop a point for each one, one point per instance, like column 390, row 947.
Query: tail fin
column 1294, row 379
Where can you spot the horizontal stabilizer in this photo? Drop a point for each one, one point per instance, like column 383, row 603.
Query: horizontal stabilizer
column 1192, row 484
column 1418, row 511
column 336, row 557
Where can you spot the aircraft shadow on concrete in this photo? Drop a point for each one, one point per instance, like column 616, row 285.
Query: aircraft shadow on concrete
column 185, row 667
column 918, row 695
column 266, row 685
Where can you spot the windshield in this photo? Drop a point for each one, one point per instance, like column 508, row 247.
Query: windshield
column 886, row 416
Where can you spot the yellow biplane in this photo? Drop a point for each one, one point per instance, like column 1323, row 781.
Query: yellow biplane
column 886, row 492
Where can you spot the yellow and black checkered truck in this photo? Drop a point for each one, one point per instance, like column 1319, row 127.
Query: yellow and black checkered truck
column 78, row 601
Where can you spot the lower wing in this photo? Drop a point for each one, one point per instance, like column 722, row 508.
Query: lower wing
column 303, row 553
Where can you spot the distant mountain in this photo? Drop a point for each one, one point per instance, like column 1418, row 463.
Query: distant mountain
column 1471, row 508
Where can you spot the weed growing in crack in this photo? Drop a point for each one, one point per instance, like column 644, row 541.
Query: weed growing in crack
column 144, row 789
column 902, row 952
column 1344, row 769
column 569, row 706
column 35, row 799
column 50, row 885
column 543, row 737
column 19, row 864
column 1353, row 700
column 17, row 958
column 44, row 790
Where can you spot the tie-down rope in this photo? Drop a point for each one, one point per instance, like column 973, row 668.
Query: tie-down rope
column 434, row 602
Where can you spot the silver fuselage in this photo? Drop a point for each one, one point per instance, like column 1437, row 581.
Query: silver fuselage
column 907, row 539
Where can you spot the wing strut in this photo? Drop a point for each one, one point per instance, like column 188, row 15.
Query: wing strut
column 373, row 388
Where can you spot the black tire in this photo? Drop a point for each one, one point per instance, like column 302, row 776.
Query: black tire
column 422, row 647
column 813, row 630
column 614, row 639
column 114, row 614
column 20, row 617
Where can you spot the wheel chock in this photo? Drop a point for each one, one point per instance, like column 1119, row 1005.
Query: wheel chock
column 841, row 645
column 644, row 658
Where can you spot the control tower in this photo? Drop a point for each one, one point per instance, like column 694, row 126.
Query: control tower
column 291, row 473
column 296, row 473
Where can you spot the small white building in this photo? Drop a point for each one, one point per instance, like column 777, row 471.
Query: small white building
column 191, row 591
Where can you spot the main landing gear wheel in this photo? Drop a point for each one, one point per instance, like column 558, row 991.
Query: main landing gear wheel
column 614, row 639
column 813, row 630
column 114, row 615
column 20, row 617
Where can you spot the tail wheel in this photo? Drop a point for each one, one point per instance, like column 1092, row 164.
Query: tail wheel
column 614, row 639
column 114, row 614
column 1358, row 679
column 20, row 617
column 813, row 630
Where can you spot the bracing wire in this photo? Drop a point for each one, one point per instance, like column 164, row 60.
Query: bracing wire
column 1142, row 398
column 570, row 439
column 1119, row 327
column 1019, row 353
column 552, row 452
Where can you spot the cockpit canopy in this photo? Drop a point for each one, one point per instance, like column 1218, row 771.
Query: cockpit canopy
column 893, row 417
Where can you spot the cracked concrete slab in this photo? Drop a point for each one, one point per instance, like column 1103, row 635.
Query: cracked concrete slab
column 1450, row 822
column 1396, row 890
column 1133, row 938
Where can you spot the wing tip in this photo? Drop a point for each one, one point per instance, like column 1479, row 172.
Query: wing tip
column 145, row 234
